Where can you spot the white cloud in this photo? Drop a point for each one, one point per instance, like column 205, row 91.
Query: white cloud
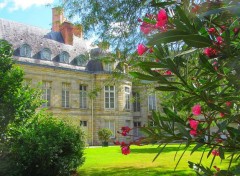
column 3, row 4
column 23, row 4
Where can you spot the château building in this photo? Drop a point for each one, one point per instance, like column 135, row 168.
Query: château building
column 68, row 72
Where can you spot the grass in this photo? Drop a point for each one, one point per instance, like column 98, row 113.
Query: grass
column 109, row 161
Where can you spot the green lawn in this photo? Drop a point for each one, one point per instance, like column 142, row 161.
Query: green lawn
column 108, row 161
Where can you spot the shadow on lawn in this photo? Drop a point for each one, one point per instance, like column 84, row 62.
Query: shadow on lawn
column 156, row 150
column 131, row 171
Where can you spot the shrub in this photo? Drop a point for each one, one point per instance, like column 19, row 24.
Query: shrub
column 104, row 134
column 45, row 146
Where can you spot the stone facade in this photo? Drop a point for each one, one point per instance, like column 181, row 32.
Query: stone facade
column 68, row 72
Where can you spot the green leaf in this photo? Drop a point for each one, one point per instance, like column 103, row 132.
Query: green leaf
column 143, row 76
column 172, row 115
column 204, row 62
column 159, row 152
column 221, row 153
column 198, row 41
column 197, row 147
column 167, row 37
column 167, row 88
column 183, row 130
column 184, row 18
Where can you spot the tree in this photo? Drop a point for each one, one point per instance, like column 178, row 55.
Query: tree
column 204, row 74
column 17, row 102
column 115, row 22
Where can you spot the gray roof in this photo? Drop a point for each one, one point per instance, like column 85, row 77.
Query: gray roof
column 18, row 34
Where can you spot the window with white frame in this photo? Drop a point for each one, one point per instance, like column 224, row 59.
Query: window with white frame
column 65, row 95
column 127, row 98
column 83, row 96
column 136, row 102
column 46, row 54
column 152, row 102
column 83, row 123
column 25, row 50
column 136, row 129
column 108, row 67
column 109, row 97
column 46, row 93
column 64, row 57
column 110, row 124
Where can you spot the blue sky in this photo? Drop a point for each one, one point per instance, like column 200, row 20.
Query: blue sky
column 32, row 12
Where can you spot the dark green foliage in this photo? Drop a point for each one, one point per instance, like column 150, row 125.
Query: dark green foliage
column 44, row 146
column 16, row 101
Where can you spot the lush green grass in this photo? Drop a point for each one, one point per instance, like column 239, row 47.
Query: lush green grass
column 108, row 161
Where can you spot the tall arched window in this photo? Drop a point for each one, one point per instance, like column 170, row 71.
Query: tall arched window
column 25, row 50
column 46, row 54
column 64, row 57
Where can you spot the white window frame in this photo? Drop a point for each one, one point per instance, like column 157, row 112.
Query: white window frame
column 110, row 124
column 152, row 102
column 136, row 129
column 46, row 93
column 25, row 51
column 127, row 98
column 108, row 66
column 83, row 123
column 83, row 96
column 109, row 97
column 65, row 95
column 64, row 57
column 136, row 103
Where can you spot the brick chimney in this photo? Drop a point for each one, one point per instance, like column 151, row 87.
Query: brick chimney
column 77, row 31
column 66, row 29
column 57, row 18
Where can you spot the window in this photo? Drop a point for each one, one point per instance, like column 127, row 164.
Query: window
column 46, row 93
column 108, row 67
column 136, row 129
column 83, row 96
column 127, row 98
column 64, row 57
column 152, row 102
column 46, row 54
column 83, row 123
column 136, row 102
column 25, row 50
column 65, row 95
column 110, row 124
column 81, row 60
column 109, row 97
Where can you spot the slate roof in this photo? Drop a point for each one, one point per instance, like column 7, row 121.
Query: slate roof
column 18, row 34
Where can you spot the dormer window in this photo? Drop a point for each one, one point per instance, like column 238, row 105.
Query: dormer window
column 81, row 60
column 46, row 54
column 64, row 57
column 108, row 67
column 25, row 50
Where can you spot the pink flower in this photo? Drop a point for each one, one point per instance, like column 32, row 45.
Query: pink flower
column 196, row 110
column 141, row 49
column 211, row 30
column 162, row 18
column 222, row 114
column 126, row 129
column 193, row 132
column 236, row 30
column 157, row 60
column 193, row 124
column 219, row 40
column 168, row 72
column 210, row 52
column 228, row 103
column 116, row 142
column 215, row 153
column 125, row 150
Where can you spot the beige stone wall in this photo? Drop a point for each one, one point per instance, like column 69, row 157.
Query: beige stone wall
column 95, row 114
